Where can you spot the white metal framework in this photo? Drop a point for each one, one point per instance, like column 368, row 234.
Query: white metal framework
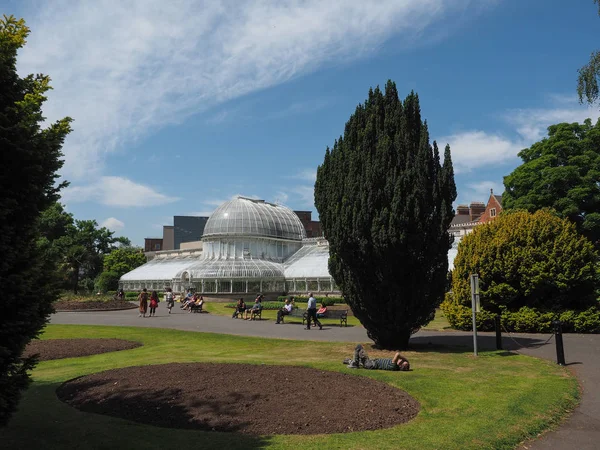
column 248, row 246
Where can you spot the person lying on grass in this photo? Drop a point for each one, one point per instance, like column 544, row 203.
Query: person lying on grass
column 361, row 359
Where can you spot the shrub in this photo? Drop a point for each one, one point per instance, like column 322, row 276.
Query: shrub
column 107, row 281
column 535, row 260
column 524, row 320
column 266, row 305
column 327, row 301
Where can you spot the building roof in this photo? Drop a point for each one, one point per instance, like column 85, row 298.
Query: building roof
column 249, row 217
column 498, row 198
column 460, row 219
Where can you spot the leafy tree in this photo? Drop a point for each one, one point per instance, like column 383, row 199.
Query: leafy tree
column 561, row 172
column 123, row 260
column 78, row 246
column 385, row 204
column 587, row 82
column 526, row 260
column 29, row 161
column 107, row 281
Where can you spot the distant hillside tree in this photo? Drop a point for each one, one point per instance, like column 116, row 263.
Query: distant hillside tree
column 29, row 161
column 561, row 172
column 385, row 204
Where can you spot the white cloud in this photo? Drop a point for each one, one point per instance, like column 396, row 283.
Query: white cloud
column 532, row 124
column 113, row 224
column 281, row 197
column 306, row 174
column 306, row 194
column 124, row 69
column 116, row 191
column 474, row 149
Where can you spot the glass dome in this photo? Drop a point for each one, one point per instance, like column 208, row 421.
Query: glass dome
column 249, row 217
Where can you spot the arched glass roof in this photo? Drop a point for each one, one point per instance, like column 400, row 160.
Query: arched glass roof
column 311, row 261
column 160, row 269
column 248, row 217
column 234, row 268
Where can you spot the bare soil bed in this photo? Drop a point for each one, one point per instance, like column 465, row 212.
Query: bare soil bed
column 72, row 348
column 244, row 398
column 100, row 305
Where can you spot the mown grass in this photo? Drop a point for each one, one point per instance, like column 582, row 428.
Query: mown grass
column 491, row 402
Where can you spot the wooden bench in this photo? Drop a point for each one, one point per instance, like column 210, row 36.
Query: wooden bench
column 330, row 314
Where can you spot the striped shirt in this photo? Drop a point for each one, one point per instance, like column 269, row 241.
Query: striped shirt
column 384, row 364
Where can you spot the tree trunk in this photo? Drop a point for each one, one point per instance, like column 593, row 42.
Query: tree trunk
column 390, row 339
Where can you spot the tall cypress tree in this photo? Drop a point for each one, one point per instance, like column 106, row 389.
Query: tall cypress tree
column 29, row 159
column 385, row 204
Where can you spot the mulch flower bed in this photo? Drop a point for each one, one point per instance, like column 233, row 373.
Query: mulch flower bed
column 71, row 305
column 72, row 348
column 244, row 398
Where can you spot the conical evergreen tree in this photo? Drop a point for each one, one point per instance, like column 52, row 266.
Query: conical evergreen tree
column 385, row 204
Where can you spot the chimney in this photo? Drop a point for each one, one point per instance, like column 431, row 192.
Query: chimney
column 476, row 209
column 462, row 210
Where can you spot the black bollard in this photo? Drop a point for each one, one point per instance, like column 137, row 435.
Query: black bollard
column 498, row 332
column 560, row 350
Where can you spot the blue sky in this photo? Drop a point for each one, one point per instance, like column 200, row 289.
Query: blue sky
column 180, row 105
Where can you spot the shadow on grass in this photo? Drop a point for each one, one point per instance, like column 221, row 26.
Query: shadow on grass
column 464, row 343
column 169, row 407
column 43, row 421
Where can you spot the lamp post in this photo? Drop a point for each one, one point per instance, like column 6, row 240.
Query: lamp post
column 474, row 307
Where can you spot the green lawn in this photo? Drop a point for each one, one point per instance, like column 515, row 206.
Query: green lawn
column 491, row 402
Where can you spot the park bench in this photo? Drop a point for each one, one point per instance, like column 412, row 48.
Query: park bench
column 196, row 308
column 256, row 314
column 330, row 314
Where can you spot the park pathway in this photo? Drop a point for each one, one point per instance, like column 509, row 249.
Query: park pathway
column 581, row 431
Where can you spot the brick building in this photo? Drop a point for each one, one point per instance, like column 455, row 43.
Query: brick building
column 153, row 244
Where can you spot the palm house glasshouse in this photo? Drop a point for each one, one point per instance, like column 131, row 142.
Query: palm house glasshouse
column 248, row 246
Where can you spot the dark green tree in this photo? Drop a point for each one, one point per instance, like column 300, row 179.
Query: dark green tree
column 29, row 161
column 587, row 82
column 561, row 172
column 385, row 204
column 78, row 246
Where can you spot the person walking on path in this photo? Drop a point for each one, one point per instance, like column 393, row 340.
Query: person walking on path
column 311, row 309
column 153, row 303
column 169, row 299
column 361, row 359
column 143, row 299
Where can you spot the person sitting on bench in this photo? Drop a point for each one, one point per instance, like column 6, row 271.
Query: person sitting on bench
column 287, row 309
column 398, row 362
column 239, row 308
column 321, row 311
column 255, row 308
column 197, row 305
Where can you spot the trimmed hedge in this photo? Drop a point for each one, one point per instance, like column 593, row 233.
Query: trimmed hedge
column 327, row 301
column 524, row 320
column 266, row 305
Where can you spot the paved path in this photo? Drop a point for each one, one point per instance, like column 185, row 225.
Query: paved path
column 581, row 431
